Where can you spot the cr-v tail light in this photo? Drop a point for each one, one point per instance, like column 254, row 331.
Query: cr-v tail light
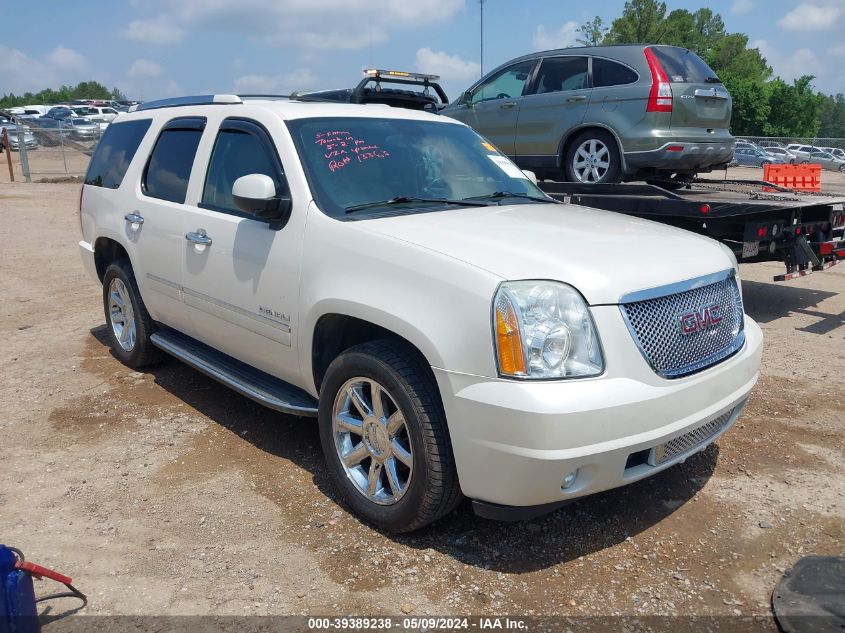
column 660, row 97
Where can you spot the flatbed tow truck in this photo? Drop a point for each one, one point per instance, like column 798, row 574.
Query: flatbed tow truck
column 758, row 220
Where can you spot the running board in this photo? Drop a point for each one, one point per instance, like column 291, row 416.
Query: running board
column 247, row 381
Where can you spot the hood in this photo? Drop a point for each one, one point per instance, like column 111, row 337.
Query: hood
column 604, row 255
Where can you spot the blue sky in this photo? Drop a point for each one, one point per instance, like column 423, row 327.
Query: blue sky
column 157, row 48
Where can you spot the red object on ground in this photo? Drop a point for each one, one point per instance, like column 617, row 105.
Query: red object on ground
column 38, row 571
column 799, row 177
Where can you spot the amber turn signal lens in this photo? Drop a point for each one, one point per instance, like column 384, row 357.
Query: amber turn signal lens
column 509, row 341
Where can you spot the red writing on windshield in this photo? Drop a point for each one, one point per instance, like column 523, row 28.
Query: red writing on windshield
column 341, row 148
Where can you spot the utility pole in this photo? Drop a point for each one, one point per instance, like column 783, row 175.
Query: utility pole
column 481, row 5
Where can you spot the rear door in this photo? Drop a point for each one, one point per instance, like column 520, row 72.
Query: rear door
column 700, row 100
column 557, row 102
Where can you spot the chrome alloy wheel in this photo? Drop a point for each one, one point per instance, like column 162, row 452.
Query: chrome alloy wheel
column 122, row 314
column 591, row 161
column 372, row 441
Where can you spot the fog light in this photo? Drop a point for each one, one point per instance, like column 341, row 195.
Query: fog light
column 569, row 479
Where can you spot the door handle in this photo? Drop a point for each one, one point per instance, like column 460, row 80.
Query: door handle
column 134, row 218
column 576, row 99
column 198, row 237
column 507, row 104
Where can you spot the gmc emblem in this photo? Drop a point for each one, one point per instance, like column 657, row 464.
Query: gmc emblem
column 701, row 319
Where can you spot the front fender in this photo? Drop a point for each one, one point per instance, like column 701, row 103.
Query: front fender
column 439, row 304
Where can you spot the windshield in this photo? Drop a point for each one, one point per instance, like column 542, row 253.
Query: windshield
column 351, row 161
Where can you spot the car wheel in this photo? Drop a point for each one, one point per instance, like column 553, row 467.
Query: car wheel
column 384, row 437
column 842, row 168
column 129, row 324
column 593, row 157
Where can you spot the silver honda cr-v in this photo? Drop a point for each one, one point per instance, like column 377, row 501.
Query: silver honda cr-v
column 604, row 113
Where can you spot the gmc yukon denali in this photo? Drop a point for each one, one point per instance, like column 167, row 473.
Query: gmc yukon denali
column 455, row 332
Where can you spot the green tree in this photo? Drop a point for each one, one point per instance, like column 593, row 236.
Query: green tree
column 641, row 22
column 795, row 108
column 592, row 32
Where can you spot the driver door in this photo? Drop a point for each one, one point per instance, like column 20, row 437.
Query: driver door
column 493, row 109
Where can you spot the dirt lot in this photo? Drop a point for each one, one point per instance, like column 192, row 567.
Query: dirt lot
column 161, row 492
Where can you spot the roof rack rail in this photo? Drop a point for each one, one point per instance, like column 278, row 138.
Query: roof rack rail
column 186, row 101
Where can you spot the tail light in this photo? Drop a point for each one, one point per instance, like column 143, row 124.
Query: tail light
column 660, row 97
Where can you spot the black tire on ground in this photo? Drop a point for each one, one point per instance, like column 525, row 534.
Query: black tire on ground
column 433, row 490
column 614, row 169
column 143, row 353
column 842, row 167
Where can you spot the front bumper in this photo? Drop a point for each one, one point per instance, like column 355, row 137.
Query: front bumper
column 692, row 156
column 515, row 441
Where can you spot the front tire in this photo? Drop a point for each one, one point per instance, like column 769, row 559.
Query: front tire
column 593, row 157
column 384, row 437
column 129, row 324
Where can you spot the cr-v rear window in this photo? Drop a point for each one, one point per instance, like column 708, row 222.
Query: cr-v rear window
column 683, row 66
column 114, row 153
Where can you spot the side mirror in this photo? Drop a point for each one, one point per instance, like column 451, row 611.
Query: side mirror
column 466, row 99
column 530, row 175
column 256, row 194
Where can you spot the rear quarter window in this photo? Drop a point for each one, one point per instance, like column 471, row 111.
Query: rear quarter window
column 610, row 73
column 115, row 152
column 683, row 66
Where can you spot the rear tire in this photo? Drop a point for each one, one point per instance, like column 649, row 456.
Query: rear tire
column 593, row 157
column 128, row 322
column 384, row 437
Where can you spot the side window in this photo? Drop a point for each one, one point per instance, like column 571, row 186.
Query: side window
column 562, row 73
column 507, row 84
column 169, row 168
column 610, row 73
column 242, row 147
column 114, row 153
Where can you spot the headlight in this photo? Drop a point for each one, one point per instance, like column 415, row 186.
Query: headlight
column 543, row 329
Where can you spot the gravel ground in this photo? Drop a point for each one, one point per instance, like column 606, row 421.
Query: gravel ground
column 161, row 492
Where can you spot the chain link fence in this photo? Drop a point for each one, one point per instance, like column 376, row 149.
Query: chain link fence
column 50, row 148
column 783, row 141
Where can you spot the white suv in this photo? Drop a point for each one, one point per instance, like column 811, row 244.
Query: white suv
column 455, row 331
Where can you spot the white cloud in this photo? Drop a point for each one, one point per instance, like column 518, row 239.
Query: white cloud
column 743, row 6
column 449, row 67
column 300, row 79
column 161, row 30
column 789, row 65
column 563, row 37
column 145, row 68
column 809, row 16
column 21, row 73
column 67, row 58
column 308, row 24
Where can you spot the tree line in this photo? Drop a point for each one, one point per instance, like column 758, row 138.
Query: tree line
column 763, row 105
column 82, row 90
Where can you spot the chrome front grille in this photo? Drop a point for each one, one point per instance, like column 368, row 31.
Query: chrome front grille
column 671, row 449
column 685, row 328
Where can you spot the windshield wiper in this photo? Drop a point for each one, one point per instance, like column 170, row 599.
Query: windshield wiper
column 407, row 199
column 713, row 80
column 499, row 195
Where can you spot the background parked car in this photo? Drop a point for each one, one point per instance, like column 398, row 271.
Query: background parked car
column 50, row 132
column 802, row 151
column 83, row 129
column 604, row 113
column 751, row 157
column 60, row 112
column 14, row 129
column 827, row 161
column 783, row 153
column 837, row 152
